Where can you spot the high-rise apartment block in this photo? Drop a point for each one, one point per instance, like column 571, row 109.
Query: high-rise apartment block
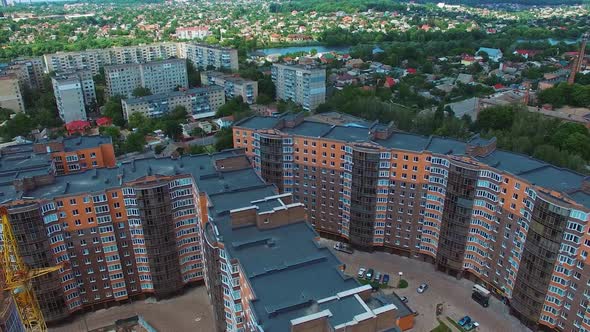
column 305, row 85
column 151, row 226
column 94, row 60
column 207, row 56
column 10, row 93
column 233, row 85
column 74, row 93
column 513, row 223
column 157, row 76
column 199, row 102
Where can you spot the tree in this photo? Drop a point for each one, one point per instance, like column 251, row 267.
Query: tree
column 173, row 129
column 135, row 142
column 197, row 132
column 224, row 139
column 495, row 118
column 20, row 125
column 141, row 91
column 194, row 78
column 137, row 120
column 197, row 149
column 263, row 99
column 113, row 110
column 159, row 148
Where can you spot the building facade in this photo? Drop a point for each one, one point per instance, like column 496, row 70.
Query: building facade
column 199, row 102
column 233, row 86
column 29, row 72
column 207, row 56
column 94, row 60
column 199, row 32
column 157, row 76
column 513, row 223
column 10, row 93
column 304, row 85
column 74, row 94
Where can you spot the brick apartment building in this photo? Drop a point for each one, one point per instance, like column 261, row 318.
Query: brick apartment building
column 515, row 224
column 151, row 226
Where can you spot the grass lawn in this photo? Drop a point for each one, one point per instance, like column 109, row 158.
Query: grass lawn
column 442, row 327
column 364, row 281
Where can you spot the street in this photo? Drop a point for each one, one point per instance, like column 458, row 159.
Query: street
column 454, row 294
column 190, row 311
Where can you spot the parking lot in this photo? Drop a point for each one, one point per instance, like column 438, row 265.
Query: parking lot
column 454, row 294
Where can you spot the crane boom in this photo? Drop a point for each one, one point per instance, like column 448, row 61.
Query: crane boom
column 18, row 278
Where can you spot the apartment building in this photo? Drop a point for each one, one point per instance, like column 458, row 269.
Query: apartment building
column 74, row 93
column 151, row 226
column 158, row 76
column 29, row 72
column 10, row 320
column 510, row 222
column 10, row 93
column 233, row 85
column 199, row 32
column 207, row 56
column 199, row 102
column 305, row 85
column 94, row 60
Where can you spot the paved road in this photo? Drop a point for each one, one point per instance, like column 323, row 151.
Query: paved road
column 455, row 294
column 188, row 312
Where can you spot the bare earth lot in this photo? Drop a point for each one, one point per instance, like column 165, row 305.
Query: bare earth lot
column 188, row 312
column 455, row 294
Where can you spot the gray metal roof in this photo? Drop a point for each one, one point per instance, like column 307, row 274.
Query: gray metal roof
column 167, row 95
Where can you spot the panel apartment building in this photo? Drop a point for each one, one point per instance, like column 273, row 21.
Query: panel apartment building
column 158, row 76
column 208, row 56
column 199, row 102
column 29, row 72
column 95, row 59
column 10, row 93
column 74, row 93
column 305, row 85
column 151, row 226
column 515, row 224
column 233, row 85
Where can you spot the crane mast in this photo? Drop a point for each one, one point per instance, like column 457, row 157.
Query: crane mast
column 18, row 278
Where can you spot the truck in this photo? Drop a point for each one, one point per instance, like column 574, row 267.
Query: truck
column 481, row 295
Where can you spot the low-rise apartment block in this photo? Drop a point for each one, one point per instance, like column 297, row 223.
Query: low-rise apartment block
column 199, row 102
column 74, row 93
column 93, row 60
column 513, row 223
column 10, row 93
column 233, row 85
column 151, row 226
column 305, row 85
column 157, row 76
column 208, row 56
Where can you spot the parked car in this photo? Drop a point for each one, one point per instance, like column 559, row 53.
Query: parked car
column 378, row 276
column 470, row 326
column 361, row 272
column 422, row 288
column 464, row 321
column 344, row 247
column 404, row 299
column 385, row 279
column 369, row 274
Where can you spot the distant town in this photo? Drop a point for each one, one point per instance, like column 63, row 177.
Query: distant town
column 266, row 165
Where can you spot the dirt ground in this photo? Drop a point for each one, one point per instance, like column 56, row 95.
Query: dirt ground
column 190, row 311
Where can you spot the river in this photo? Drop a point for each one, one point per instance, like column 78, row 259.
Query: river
column 295, row 49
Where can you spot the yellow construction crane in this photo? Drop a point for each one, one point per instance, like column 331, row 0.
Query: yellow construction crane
column 18, row 276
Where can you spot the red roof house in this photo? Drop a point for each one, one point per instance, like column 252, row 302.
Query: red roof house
column 104, row 121
column 78, row 126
